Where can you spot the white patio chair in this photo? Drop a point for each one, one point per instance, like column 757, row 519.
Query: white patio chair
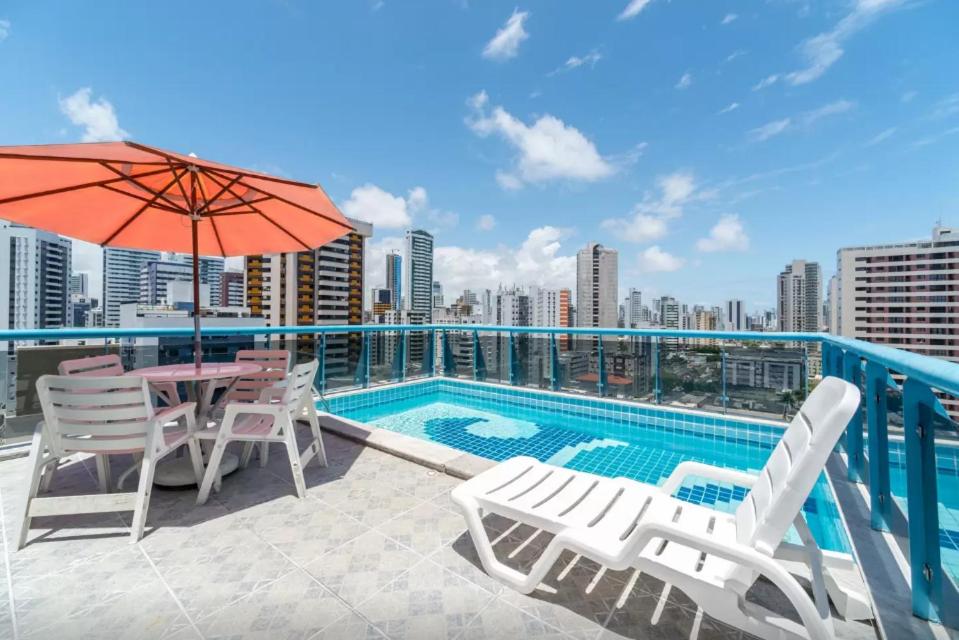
column 106, row 365
column 276, row 368
column 104, row 416
column 271, row 419
column 713, row 557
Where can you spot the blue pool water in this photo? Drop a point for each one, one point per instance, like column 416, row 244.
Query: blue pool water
column 607, row 438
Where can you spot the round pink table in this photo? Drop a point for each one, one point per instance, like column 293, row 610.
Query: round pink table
column 177, row 471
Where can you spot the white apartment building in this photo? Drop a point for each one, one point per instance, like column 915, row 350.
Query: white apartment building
column 512, row 308
column 121, row 279
column 550, row 307
column 35, row 277
column 799, row 297
column 80, row 285
column 211, row 273
column 418, row 272
column 903, row 295
column 634, row 308
column 597, row 286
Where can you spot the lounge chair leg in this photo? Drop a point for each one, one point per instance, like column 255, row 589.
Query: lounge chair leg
column 36, row 473
column 212, row 469
column 48, row 475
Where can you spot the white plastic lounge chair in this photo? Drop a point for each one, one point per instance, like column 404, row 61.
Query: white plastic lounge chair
column 271, row 419
column 107, row 365
column 104, row 416
column 713, row 557
column 276, row 368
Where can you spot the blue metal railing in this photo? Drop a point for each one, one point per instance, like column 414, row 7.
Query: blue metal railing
column 865, row 364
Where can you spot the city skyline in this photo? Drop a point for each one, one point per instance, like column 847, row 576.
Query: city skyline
column 706, row 152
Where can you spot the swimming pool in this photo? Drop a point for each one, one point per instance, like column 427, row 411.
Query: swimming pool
column 606, row 437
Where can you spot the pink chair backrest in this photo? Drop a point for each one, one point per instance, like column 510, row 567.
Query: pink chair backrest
column 107, row 365
column 276, row 366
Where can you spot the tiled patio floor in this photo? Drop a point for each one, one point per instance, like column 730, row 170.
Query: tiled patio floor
column 376, row 551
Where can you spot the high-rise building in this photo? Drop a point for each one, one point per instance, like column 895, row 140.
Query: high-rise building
column 736, row 316
column 211, row 273
column 34, row 276
column 319, row 287
column 799, row 297
column 513, row 308
column 597, row 284
column 394, row 278
column 670, row 314
column 550, row 307
column 155, row 276
column 121, row 279
column 418, row 274
column 232, row 289
column 634, row 308
column 437, row 294
column 832, row 305
column 381, row 301
column 80, row 284
column 902, row 295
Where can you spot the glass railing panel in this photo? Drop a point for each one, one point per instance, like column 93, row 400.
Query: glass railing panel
column 344, row 354
column 417, row 353
column 764, row 379
column 457, row 361
column 387, row 356
column 494, row 348
column 690, row 372
column 532, row 360
column 629, row 368
column 578, row 359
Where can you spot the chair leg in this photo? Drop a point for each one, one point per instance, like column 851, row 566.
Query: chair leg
column 264, row 453
column 247, row 454
column 103, row 473
column 196, row 459
column 145, row 488
column 48, row 475
column 317, row 445
column 37, row 468
column 212, row 468
column 293, row 451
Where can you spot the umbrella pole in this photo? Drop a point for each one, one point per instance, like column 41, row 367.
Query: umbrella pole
column 197, row 353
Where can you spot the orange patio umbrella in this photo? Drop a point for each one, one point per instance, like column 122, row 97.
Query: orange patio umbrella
column 124, row 194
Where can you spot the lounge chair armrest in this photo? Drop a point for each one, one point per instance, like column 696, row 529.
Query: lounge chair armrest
column 720, row 474
column 181, row 410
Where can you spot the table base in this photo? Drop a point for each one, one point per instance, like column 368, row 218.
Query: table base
column 178, row 471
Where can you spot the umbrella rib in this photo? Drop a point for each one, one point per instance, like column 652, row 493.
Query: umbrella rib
column 75, row 187
column 139, row 212
column 266, row 217
column 298, row 206
column 216, row 234
column 140, row 198
column 146, row 188
column 225, row 210
column 223, row 189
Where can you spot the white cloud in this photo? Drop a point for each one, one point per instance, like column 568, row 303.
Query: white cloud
column 727, row 235
column 417, row 199
column 632, row 9
column 732, row 106
column 549, row 149
column 655, row 259
column 685, row 81
column 4, row 29
column 729, row 17
column 831, row 109
column 98, row 119
column 823, row 50
column 385, row 210
column 932, row 139
column 486, row 222
column 768, row 81
column 948, row 106
column 650, row 218
column 505, row 44
column 738, row 53
column 803, row 120
column 770, row 129
column 574, row 62
column 881, row 136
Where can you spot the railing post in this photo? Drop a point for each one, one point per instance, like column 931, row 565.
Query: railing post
column 321, row 368
column 479, row 362
column 513, row 360
column 429, row 357
column 724, row 398
column 805, row 370
column 826, row 359
column 876, row 418
column 600, row 368
column 658, row 389
column 553, row 363
column 852, row 373
column 922, row 500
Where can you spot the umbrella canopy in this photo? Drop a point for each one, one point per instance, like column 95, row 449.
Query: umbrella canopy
column 124, row 194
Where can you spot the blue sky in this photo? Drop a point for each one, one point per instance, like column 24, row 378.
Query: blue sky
column 710, row 142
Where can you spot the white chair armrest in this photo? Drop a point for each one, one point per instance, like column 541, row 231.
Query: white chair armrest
column 175, row 413
column 270, row 394
column 719, row 474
